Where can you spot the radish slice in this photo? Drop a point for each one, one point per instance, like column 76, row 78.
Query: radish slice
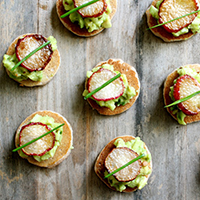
column 112, row 91
column 119, row 157
column 170, row 9
column 93, row 10
column 32, row 131
column 185, row 86
column 40, row 59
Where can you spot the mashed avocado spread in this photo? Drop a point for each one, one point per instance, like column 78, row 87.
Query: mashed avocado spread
column 182, row 71
column 21, row 73
column 129, row 91
column 140, row 181
column 91, row 24
column 194, row 26
column 49, row 121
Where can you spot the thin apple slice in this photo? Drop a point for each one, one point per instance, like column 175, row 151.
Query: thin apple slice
column 112, row 91
column 171, row 9
column 185, row 86
column 93, row 10
column 32, row 131
column 119, row 157
column 40, row 59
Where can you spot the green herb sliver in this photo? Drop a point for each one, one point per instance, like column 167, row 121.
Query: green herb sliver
column 78, row 8
column 29, row 55
column 183, row 99
column 102, row 86
column 30, row 142
column 127, row 164
column 173, row 19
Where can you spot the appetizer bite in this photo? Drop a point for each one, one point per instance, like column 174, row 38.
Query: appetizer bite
column 32, row 59
column 185, row 25
column 119, row 94
column 124, row 151
column 51, row 149
column 87, row 21
column 182, row 87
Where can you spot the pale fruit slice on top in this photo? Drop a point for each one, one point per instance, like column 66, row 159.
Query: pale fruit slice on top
column 32, row 131
column 94, row 10
column 112, row 91
column 185, row 86
column 119, row 157
column 171, row 9
column 40, row 59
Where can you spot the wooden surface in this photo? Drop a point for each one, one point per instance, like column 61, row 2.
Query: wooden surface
column 175, row 149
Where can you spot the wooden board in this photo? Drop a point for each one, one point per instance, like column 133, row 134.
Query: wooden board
column 175, row 148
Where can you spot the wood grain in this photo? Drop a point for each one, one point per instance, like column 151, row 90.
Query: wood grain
column 175, row 149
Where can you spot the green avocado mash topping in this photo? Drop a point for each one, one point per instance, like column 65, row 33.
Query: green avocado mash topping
column 21, row 73
column 129, row 91
column 194, row 26
column 91, row 24
column 175, row 110
column 49, row 121
column 140, row 181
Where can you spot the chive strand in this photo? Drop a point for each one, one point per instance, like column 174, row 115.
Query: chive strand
column 122, row 167
column 77, row 8
column 29, row 55
column 173, row 20
column 183, row 99
column 102, row 86
column 30, row 142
